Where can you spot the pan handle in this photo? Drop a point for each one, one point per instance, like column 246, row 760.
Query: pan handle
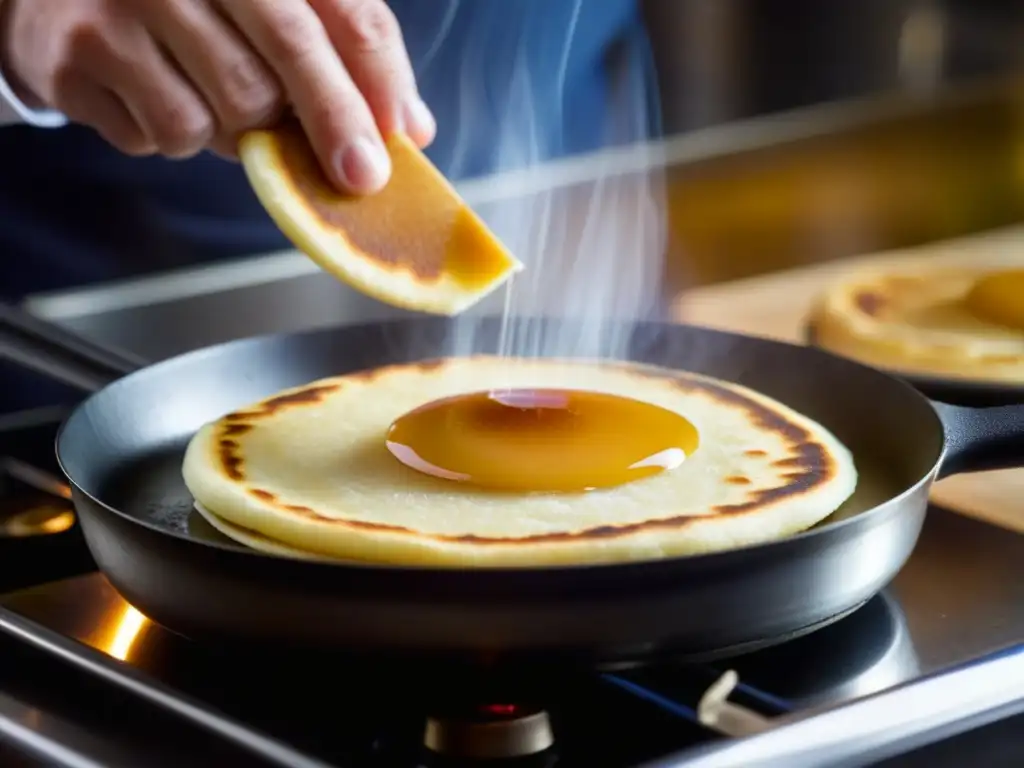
column 45, row 348
column 980, row 439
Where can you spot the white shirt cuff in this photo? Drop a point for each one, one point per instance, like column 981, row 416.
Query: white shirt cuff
column 14, row 111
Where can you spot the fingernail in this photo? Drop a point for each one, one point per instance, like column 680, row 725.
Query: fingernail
column 365, row 166
column 419, row 121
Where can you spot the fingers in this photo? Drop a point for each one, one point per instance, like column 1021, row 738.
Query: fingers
column 162, row 103
column 178, row 76
column 225, row 147
column 367, row 36
column 339, row 122
column 241, row 91
column 87, row 102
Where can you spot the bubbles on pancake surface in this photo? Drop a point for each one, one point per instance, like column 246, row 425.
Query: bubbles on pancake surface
column 553, row 440
column 999, row 298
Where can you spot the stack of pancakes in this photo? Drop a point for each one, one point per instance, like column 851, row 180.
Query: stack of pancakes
column 307, row 473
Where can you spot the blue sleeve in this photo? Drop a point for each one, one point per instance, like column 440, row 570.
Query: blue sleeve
column 513, row 83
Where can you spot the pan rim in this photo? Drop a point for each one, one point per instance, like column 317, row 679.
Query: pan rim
column 889, row 505
column 923, row 380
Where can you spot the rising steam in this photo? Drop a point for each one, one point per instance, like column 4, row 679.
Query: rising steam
column 593, row 251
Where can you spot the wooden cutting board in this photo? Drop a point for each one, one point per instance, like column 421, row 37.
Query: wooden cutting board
column 777, row 306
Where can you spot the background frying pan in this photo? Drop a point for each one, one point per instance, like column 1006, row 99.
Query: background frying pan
column 122, row 450
column 972, row 392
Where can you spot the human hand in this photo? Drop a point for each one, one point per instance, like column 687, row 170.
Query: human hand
column 174, row 77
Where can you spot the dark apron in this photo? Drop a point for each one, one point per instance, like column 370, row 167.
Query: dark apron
column 73, row 211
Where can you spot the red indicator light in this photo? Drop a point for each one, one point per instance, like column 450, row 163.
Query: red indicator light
column 501, row 710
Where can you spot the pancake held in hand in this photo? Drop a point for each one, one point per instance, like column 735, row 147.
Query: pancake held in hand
column 310, row 470
column 415, row 244
column 931, row 319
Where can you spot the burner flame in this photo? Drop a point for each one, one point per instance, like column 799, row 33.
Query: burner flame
column 128, row 628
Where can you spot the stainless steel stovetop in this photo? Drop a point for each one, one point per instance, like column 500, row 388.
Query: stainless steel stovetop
column 88, row 681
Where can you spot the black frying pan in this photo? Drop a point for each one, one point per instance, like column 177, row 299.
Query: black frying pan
column 122, row 450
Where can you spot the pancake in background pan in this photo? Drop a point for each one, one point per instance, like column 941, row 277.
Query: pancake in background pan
column 414, row 244
column 309, row 470
column 941, row 319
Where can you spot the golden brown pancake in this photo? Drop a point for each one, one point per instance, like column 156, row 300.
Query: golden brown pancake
column 942, row 318
column 308, row 470
column 414, row 244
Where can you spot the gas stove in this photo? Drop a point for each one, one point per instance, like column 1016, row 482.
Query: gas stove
column 928, row 673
